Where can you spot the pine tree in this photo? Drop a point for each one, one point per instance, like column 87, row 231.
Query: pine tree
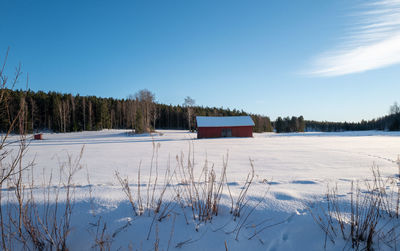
column 279, row 125
column 139, row 125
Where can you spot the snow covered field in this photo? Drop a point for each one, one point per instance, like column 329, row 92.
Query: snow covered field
column 291, row 170
column 313, row 158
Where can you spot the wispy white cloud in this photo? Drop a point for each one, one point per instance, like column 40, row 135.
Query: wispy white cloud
column 373, row 42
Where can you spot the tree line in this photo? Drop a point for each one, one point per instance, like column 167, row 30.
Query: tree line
column 293, row 124
column 390, row 122
column 140, row 112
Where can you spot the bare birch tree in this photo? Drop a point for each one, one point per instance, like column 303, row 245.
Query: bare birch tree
column 189, row 103
column 146, row 99
column 84, row 113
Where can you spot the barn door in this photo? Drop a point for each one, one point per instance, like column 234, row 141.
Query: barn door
column 226, row 132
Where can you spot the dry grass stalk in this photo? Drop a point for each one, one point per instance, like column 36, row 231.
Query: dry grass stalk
column 202, row 196
column 50, row 227
column 241, row 200
column 125, row 187
column 102, row 239
column 172, row 232
column 11, row 171
column 370, row 220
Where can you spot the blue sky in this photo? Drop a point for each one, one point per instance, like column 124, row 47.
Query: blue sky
column 333, row 60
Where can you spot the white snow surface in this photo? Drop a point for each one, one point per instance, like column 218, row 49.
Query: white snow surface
column 284, row 158
column 208, row 121
column 290, row 170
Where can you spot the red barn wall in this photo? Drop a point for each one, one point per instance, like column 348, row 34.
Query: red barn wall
column 215, row 132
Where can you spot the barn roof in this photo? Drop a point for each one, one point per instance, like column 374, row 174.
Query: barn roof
column 203, row 121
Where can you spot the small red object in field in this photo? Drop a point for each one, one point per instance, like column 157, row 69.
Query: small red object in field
column 38, row 136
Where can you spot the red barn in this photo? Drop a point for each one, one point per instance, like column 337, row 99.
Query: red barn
column 216, row 127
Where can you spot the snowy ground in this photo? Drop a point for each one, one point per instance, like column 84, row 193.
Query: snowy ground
column 291, row 170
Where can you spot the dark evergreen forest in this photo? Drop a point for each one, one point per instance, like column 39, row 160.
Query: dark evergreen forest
column 389, row 122
column 58, row 112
